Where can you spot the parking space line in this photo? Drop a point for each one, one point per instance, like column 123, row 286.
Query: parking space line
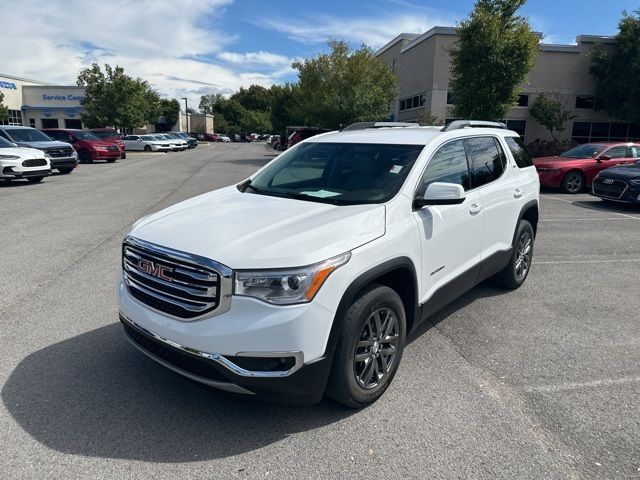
column 580, row 385
column 589, row 206
column 583, row 219
column 616, row 260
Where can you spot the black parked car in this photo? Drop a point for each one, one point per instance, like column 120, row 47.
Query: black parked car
column 620, row 183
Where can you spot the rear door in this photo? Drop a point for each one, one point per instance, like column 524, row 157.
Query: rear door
column 500, row 189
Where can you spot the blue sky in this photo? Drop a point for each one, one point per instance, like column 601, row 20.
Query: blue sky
column 193, row 47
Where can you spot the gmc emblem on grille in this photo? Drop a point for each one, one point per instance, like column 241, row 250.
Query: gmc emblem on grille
column 608, row 181
column 155, row 269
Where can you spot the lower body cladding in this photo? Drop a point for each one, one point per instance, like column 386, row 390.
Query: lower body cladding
column 254, row 348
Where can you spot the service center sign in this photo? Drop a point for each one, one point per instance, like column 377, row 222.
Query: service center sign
column 62, row 98
column 8, row 85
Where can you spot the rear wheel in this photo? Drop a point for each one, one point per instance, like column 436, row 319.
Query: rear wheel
column 124, row 155
column 35, row 179
column 65, row 170
column 111, row 160
column 369, row 348
column 516, row 272
column 573, row 182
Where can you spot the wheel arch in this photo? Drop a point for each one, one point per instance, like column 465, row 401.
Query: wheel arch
column 531, row 213
column 398, row 274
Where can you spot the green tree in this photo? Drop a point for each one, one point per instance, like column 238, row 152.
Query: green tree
column 170, row 110
column 4, row 111
column 255, row 97
column 550, row 113
column 495, row 50
column 283, row 106
column 226, row 110
column 114, row 98
column 343, row 87
column 616, row 72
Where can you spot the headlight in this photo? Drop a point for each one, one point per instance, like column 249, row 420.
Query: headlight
column 9, row 157
column 287, row 286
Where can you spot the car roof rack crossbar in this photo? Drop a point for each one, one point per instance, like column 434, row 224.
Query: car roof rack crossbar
column 458, row 124
column 365, row 125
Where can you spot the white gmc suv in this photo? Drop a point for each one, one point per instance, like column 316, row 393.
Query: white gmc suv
column 306, row 278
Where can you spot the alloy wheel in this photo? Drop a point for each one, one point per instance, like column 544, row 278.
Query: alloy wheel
column 523, row 259
column 376, row 348
column 574, row 182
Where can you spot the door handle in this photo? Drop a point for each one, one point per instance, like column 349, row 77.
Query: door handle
column 517, row 193
column 475, row 208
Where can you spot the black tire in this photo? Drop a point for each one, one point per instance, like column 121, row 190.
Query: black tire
column 348, row 383
column 573, row 182
column 85, row 156
column 111, row 160
column 124, row 155
column 516, row 272
column 147, row 148
column 35, row 179
column 65, row 170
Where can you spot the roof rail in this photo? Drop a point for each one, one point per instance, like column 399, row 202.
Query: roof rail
column 364, row 125
column 458, row 124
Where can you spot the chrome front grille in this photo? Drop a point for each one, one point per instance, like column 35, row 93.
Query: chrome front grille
column 57, row 152
column 173, row 282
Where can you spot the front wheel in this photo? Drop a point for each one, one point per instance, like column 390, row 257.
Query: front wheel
column 573, row 182
column 369, row 349
column 66, row 170
column 111, row 160
column 147, row 148
column 85, row 156
column 516, row 272
column 35, row 179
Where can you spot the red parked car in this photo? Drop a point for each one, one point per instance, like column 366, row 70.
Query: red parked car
column 88, row 146
column 211, row 137
column 574, row 170
column 113, row 135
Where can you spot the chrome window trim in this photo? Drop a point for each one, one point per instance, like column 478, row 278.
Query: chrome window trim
column 222, row 360
column 225, row 276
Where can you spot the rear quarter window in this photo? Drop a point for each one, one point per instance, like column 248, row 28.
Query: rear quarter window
column 520, row 155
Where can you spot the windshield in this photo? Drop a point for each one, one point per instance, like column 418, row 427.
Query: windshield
column 27, row 135
column 584, row 151
column 338, row 173
column 84, row 135
column 106, row 134
column 6, row 143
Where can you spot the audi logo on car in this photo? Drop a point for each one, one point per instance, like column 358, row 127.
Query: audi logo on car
column 155, row 269
column 608, row 181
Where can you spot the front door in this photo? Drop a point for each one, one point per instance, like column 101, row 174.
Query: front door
column 451, row 235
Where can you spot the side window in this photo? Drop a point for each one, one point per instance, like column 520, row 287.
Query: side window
column 634, row 151
column 616, row 152
column 4, row 135
column 522, row 158
column 487, row 160
column 449, row 165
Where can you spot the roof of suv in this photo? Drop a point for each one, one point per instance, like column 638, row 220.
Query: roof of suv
column 403, row 135
column 15, row 127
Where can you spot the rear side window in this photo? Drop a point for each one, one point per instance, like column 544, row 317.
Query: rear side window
column 488, row 161
column 635, row 151
column 520, row 155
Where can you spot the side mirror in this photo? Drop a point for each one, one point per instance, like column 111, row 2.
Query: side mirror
column 440, row 193
column 603, row 157
column 139, row 140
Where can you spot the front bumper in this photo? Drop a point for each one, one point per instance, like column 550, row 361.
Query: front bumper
column 630, row 195
column 63, row 162
column 23, row 172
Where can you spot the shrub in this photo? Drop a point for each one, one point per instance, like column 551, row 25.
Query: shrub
column 548, row 148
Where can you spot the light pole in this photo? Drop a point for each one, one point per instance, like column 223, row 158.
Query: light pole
column 186, row 112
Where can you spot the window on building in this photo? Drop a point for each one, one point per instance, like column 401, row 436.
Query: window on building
column 15, row 118
column 49, row 123
column 412, row 102
column 450, row 98
column 449, row 164
column 32, row 122
column 523, row 100
column 487, row 159
column 73, row 123
column 518, row 126
column 585, row 101
column 585, row 132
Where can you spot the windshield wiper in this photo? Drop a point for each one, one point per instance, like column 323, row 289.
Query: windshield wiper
column 246, row 185
column 309, row 198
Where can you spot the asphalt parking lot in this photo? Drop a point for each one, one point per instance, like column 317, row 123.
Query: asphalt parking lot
column 543, row 382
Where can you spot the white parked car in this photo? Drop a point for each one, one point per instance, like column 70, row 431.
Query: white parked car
column 20, row 162
column 307, row 277
column 146, row 143
column 177, row 144
column 224, row 138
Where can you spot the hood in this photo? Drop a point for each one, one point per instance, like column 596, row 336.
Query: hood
column 558, row 162
column 23, row 152
column 622, row 172
column 45, row 144
column 247, row 230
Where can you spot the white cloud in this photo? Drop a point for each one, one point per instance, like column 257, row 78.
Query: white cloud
column 267, row 59
column 170, row 44
column 374, row 31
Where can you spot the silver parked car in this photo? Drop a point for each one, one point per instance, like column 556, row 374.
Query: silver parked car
column 145, row 143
